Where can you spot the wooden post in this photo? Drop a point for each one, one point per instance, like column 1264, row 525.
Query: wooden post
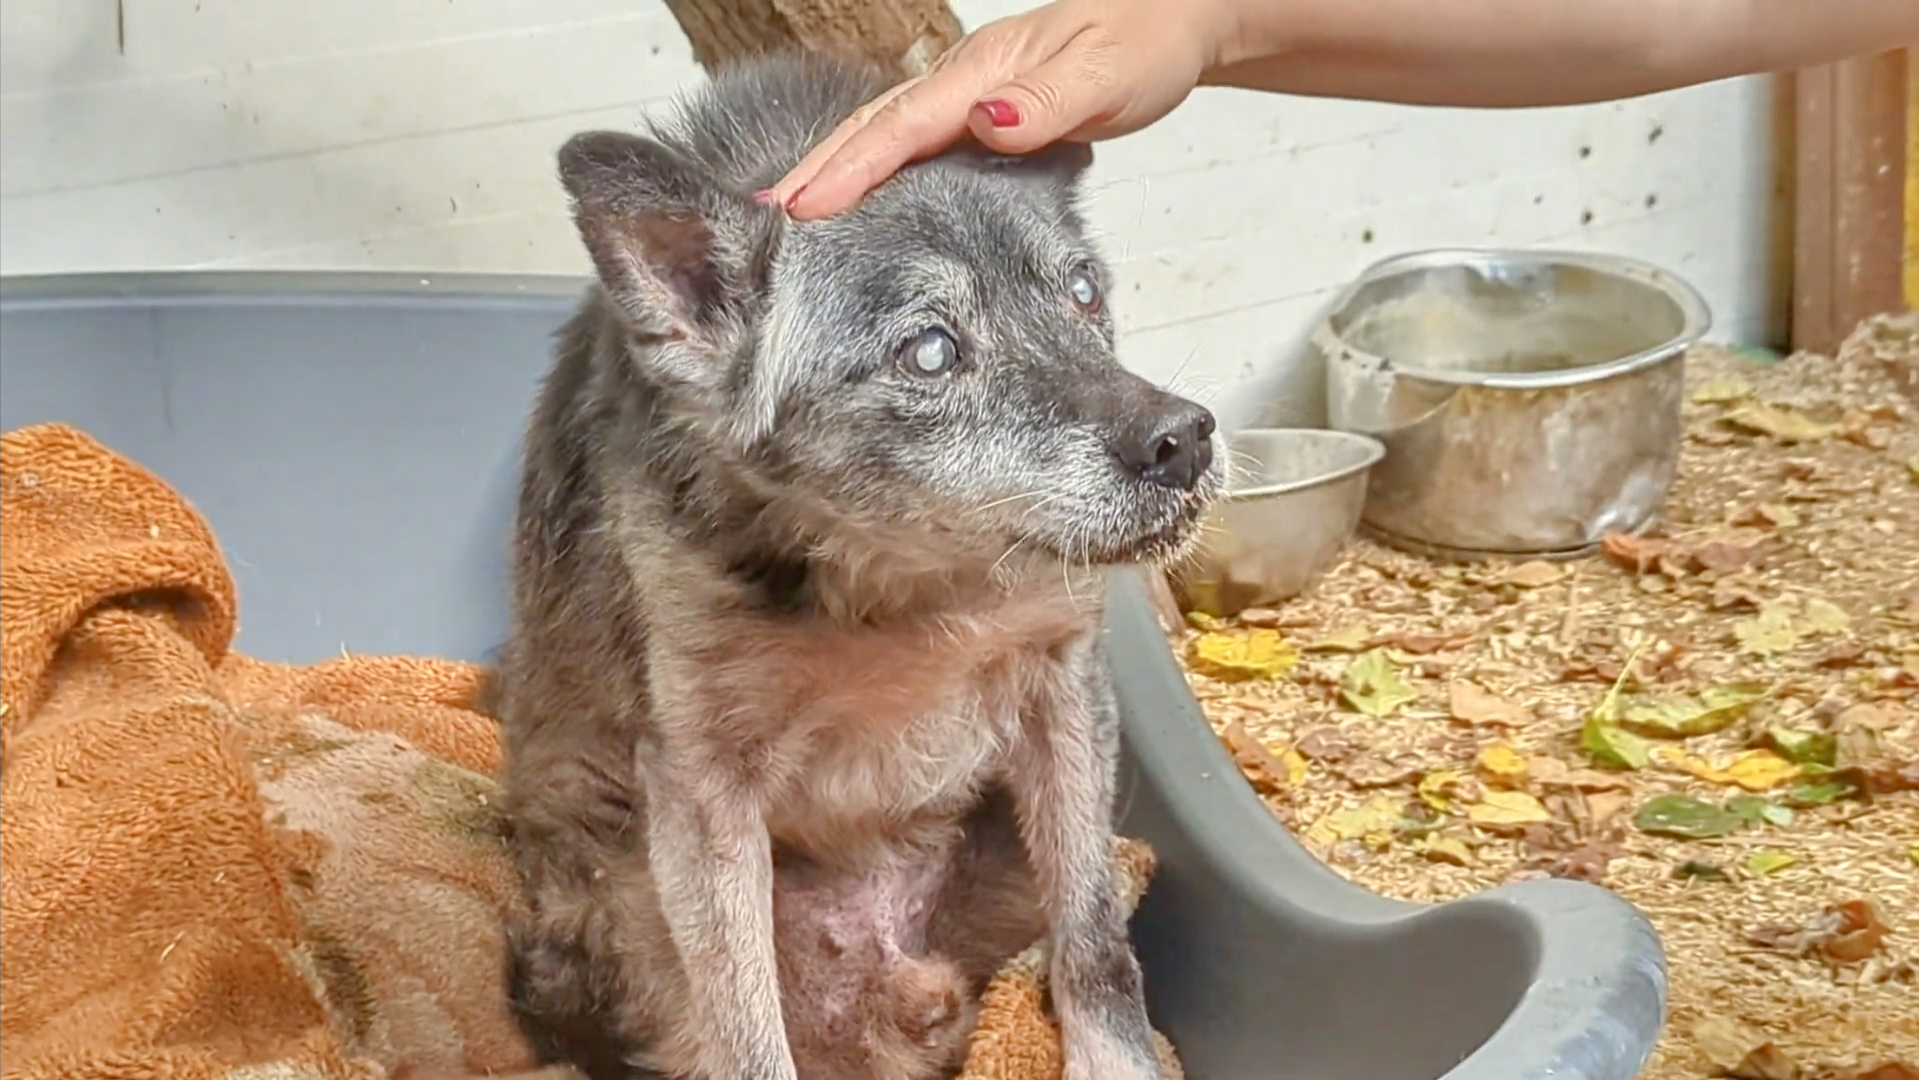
column 1848, row 244
column 903, row 36
column 1912, row 181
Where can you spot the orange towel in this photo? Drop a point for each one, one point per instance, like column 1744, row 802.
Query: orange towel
column 212, row 866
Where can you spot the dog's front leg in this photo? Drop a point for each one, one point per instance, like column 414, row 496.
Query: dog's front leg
column 1063, row 780
column 712, row 866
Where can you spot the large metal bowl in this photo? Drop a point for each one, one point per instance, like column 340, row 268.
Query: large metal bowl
column 1294, row 501
column 1529, row 401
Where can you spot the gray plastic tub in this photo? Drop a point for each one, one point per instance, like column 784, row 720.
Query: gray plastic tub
column 352, row 440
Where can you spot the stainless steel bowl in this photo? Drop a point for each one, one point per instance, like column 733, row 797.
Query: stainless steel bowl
column 1529, row 401
column 1293, row 502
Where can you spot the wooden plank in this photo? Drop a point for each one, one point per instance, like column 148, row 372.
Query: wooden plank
column 1850, row 193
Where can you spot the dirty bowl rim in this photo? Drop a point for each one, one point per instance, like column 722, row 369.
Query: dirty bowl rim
column 1695, row 313
column 1375, row 451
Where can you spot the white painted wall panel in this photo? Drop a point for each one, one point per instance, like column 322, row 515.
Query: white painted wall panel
column 418, row 135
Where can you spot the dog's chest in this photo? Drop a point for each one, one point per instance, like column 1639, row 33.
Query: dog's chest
column 863, row 730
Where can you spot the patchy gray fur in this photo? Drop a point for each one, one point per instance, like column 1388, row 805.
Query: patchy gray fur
column 807, row 718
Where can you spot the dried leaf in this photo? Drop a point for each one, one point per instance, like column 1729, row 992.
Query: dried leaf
column 1503, row 763
column 1446, row 847
column 1252, row 654
column 1730, row 1046
column 1373, row 821
column 1803, row 747
column 1721, row 391
column 1825, row 617
column 1506, row 810
column 1533, row 575
column 1767, row 633
column 1603, row 806
column 1783, row 424
column 1638, row 552
column 1419, row 644
column 1326, row 744
column 1859, row 935
column 1204, row 623
column 1350, row 639
column 1685, row 817
column 1712, row 709
column 1754, row 770
column 1474, row 705
column 1895, row 1070
column 1847, row 932
column 1371, row 685
column 1439, row 788
column 1761, row 863
column 1266, row 771
column 1912, row 468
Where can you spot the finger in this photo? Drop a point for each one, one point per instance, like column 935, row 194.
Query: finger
column 1070, row 93
column 931, row 114
column 809, row 166
column 922, row 120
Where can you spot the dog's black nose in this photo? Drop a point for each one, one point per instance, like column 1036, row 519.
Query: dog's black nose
column 1172, row 447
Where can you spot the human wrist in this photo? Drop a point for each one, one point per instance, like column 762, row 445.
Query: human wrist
column 1240, row 32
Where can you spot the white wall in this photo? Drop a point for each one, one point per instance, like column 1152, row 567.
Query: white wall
column 418, row 135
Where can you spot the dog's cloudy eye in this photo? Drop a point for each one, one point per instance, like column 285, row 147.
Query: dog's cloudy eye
column 931, row 352
column 1084, row 289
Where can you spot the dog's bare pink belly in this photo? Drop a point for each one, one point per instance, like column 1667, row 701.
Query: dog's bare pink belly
column 860, row 996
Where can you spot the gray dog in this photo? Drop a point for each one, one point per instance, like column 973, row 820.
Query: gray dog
column 808, row 720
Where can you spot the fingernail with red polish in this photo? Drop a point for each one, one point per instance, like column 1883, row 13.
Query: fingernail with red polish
column 795, row 197
column 1000, row 112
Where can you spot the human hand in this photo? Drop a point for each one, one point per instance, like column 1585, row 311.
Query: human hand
column 1070, row 69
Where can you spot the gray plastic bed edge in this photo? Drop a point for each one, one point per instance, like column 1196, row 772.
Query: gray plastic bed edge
column 408, row 390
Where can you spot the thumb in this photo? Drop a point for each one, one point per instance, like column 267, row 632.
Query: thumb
column 1043, row 106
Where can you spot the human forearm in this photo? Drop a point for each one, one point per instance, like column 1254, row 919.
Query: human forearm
column 1503, row 53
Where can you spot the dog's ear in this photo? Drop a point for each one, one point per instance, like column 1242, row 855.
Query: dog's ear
column 670, row 248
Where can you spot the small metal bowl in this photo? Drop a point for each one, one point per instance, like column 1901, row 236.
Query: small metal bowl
column 1529, row 401
column 1294, row 501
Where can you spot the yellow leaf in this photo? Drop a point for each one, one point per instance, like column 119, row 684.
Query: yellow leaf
column 1502, row 763
column 1439, row 847
column 1438, row 788
column 1533, row 575
column 1721, row 391
column 1760, row 770
column 1295, row 767
column 1204, row 623
column 1507, row 809
column 1253, row 654
column 1912, row 468
column 1826, row 617
column 1371, row 685
column 1754, row 770
column 1372, row 821
column 1352, row 638
column 1781, row 423
column 1762, row 863
column 1771, row 631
